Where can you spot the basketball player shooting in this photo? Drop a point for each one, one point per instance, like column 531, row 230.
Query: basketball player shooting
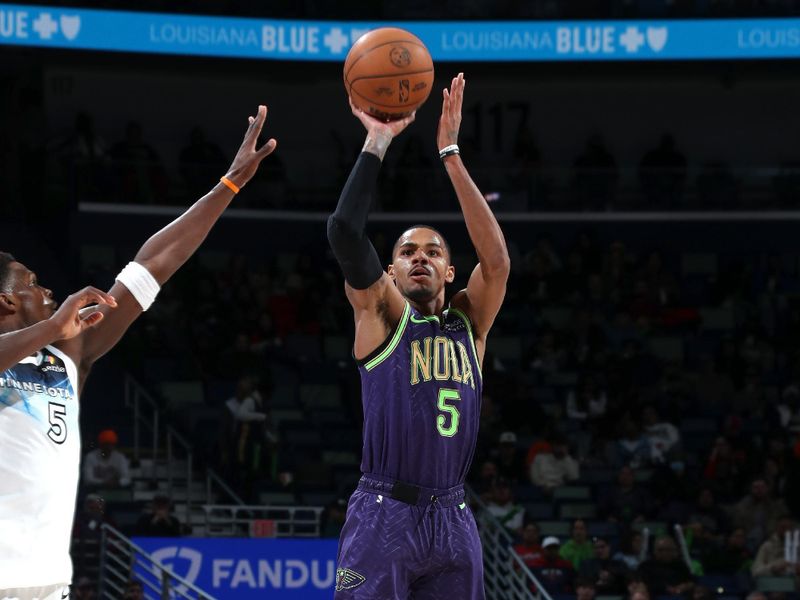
column 408, row 532
column 46, row 353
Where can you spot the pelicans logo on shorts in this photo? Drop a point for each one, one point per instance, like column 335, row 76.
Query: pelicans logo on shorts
column 347, row 579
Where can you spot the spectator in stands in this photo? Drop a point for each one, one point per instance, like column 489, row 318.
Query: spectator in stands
column 246, row 432
column 632, row 447
column 607, row 574
column 140, row 175
column 197, row 160
column 332, row 519
column 555, row 573
column 734, row 557
column 159, row 521
column 578, row 548
column 105, row 466
column 758, row 512
column 510, row 463
column 484, row 484
column 664, row 437
column 771, row 558
column 662, row 172
column 666, row 573
column 706, row 511
column 555, row 468
column 87, row 532
column 637, row 588
column 627, row 502
column 83, row 589
column 547, row 354
column 587, row 402
column 632, row 551
column 595, row 175
column 134, row 591
column 530, row 549
column 502, row 506
column 585, row 589
column 725, row 469
column 756, row 596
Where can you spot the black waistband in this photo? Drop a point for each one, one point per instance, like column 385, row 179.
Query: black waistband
column 412, row 494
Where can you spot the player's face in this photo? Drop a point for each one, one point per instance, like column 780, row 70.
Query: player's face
column 32, row 302
column 421, row 266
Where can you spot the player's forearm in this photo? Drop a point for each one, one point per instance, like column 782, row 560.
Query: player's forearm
column 16, row 345
column 346, row 226
column 167, row 250
column 483, row 228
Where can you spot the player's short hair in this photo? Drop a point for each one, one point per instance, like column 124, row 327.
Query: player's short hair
column 423, row 226
column 5, row 261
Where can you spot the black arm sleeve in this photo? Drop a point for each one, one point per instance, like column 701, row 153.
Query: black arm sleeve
column 346, row 226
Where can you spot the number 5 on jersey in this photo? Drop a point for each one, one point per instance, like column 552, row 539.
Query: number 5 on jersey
column 58, row 426
column 446, row 395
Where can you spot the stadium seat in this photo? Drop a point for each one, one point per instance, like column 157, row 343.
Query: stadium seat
column 277, row 498
column 539, row 511
column 775, row 584
column 317, row 396
column 559, row 529
column 577, row 511
column 699, row 263
column 572, row 492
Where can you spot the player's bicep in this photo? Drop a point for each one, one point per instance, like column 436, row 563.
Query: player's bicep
column 98, row 340
column 376, row 310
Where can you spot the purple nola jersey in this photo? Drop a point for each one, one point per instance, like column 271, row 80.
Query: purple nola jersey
column 421, row 392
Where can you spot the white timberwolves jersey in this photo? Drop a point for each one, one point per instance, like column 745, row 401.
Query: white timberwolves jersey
column 39, row 466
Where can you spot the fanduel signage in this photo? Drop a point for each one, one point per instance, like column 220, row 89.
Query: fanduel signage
column 706, row 39
column 280, row 569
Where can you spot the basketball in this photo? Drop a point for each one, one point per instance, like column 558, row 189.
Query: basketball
column 388, row 73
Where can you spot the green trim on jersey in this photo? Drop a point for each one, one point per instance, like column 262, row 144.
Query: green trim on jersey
column 425, row 319
column 401, row 327
column 467, row 322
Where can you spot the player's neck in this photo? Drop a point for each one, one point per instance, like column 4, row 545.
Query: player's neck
column 433, row 307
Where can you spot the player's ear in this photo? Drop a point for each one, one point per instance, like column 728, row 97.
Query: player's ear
column 390, row 271
column 7, row 305
column 450, row 274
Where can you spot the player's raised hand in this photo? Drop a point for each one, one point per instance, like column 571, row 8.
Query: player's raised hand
column 245, row 163
column 80, row 311
column 450, row 121
column 375, row 126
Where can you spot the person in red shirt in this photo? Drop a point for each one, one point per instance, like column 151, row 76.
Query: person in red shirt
column 553, row 572
column 530, row 549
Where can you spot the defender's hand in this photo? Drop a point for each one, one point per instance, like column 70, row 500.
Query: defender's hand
column 450, row 121
column 245, row 163
column 75, row 315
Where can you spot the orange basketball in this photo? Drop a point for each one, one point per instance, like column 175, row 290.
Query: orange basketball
column 388, row 73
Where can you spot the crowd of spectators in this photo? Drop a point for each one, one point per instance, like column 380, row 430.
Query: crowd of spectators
column 131, row 170
column 621, row 385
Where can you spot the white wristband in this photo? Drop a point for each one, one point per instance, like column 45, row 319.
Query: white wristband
column 140, row 283
column 448, row 150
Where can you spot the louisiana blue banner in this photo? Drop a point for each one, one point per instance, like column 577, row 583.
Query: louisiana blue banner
column 228, row 568
column 707, row 39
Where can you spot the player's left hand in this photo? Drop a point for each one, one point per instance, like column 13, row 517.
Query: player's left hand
column 450, row 121
column 245, row 163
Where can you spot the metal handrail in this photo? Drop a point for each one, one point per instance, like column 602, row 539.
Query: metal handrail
column 226, row 520
column 137, row 397
column 119, row 557
column 211, row 479
column 499, row 554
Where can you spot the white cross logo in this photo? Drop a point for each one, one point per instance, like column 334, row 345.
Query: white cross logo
column 336, row 40
column 45, row 26
column 632, row 39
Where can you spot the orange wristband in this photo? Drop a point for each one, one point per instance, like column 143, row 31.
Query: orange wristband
column 229, row 184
